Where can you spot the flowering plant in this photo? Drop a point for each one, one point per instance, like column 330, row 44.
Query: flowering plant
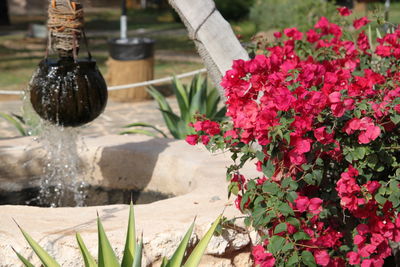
column 319, row 113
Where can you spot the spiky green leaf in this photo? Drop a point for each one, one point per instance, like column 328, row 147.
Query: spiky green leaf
column 130, row 243
column 23, row 259
column 198, row 251
column 87, row 257
column 44, row 257
column 17, row 124
column 106, row 255
column 177, row 257
column 138, row 254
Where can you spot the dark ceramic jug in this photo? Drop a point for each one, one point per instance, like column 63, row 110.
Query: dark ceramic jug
column 67, row 92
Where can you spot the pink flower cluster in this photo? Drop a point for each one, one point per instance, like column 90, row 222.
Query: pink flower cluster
column 313, row 97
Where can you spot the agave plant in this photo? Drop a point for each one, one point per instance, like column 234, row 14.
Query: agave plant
column 196, row 98
column 132, row 256
column 17, row 121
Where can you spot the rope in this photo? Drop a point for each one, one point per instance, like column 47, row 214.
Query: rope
column 157, row 81
column 65, row 26
column 132, row 85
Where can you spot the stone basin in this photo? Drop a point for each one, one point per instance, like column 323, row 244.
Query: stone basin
column 193, row 175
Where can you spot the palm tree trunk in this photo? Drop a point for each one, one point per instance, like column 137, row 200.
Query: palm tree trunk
column 212, row 34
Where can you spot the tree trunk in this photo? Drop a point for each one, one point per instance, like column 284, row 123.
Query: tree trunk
column 4, row 17
column 212, row 34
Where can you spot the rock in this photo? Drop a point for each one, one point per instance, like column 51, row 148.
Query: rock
column 210, row 261
column 242, row 260
column 190, row 173
column 230, row 240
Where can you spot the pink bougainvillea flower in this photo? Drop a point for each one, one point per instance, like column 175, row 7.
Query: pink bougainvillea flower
column 192, row 139
column 358, row 23
column 322, row 257
column 315, row 206
column 205, row 139
column 293, row 33
column 370, row 134
column 344, row 11
column 353, row 258
column 372, row 186
column 302, row 203
column 277, row 35
column 262, row 258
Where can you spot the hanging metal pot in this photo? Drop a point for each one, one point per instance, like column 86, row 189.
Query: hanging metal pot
column 68, row 93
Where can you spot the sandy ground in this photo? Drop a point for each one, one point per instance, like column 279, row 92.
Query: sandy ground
column 115, row 116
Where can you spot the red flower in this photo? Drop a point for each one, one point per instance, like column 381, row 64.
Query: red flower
column 358, row 23
column 354, row 258
column 302, row 203
column 192, row 139
column 277, row 35
column 293, row 33
column 315, row 206
column 322, row 257
column 344, row 11
column 262, row 258
column 205, row 139
column 372, row 186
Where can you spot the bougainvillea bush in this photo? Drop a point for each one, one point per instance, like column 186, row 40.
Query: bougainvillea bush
column 319, row 113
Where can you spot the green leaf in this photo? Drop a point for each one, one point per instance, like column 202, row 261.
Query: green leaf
column 44, row 257
column 260, row 156
column 395, row 118
column 106, row 254
column 181, row 96
column 130, row 242
column 198, row 101
column 138, row 254
column 220, row 115
column 270, row 188
column 276, row 244
column 308, row 258
column 359, row 153
column 164, row 108
column 17, row 124
column 287, row 247
column 139, row 131
column 24, row 260
column 87, row 257
column 293, row 221
column 380, row 199
column 285, row 209
column 142, row 124
column 164, row 262
column 177, row 257
column 300, row 235
column 282, row 227
column 198, row 251
column 293, row 260
column 212, row 101
column 269, row 169
column 173, row 123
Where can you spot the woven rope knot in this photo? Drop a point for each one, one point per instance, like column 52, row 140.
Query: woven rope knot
column 65, row 24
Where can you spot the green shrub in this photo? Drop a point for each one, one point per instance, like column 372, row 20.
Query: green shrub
column 195, row 98
column 234, row 10
column 278, row 14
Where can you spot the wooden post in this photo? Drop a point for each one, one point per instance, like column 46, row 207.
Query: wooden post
column 126, row 72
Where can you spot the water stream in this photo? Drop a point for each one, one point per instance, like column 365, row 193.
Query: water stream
column 61, row 182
